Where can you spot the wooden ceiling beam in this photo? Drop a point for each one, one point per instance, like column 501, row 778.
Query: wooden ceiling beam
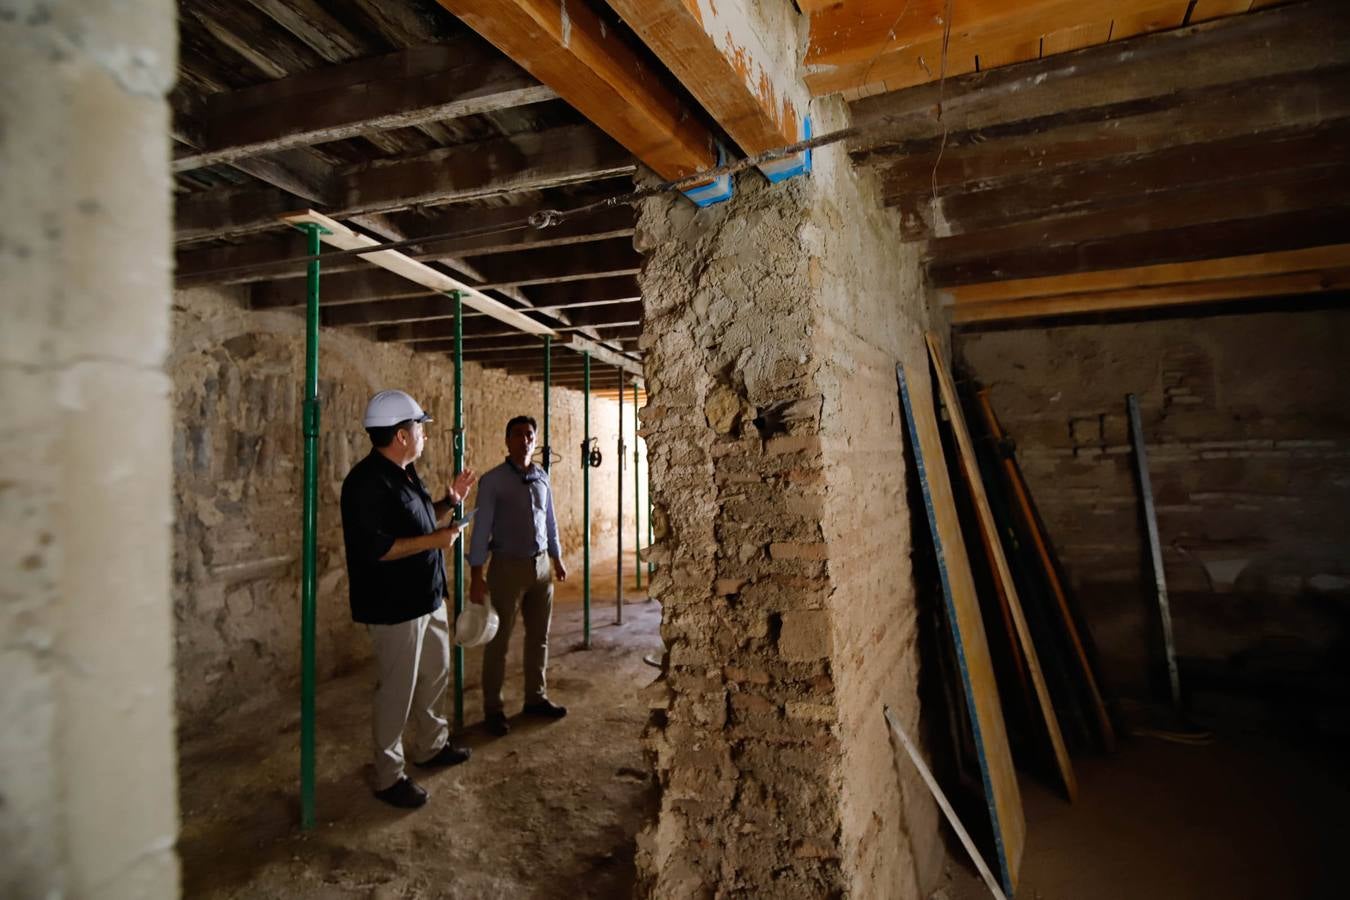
column 1158, row 297
column 526, row 162
column 1100, row 185
column 1300, row 38
column 571, row 49
column 1257, row 197
column 443, row 330
column 873, row 46
column 329, row 103
column 265, row 256
column 1038, row 145
column 726, row 54
column 1062, row 255
column 1311, row 259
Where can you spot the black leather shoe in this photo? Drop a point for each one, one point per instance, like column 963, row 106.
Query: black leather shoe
column 545, row 709
column 447, row 756
column 404, row 793
column 496, row 724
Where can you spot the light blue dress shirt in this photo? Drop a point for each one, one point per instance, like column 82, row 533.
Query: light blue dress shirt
column 514, row 517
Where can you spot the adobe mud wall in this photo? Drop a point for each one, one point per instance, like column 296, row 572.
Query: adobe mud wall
column 87, row 783
column 773, row 326
column 237, row 459
column 1248, row 435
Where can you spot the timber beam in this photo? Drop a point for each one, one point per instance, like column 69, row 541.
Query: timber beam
column 570, row 48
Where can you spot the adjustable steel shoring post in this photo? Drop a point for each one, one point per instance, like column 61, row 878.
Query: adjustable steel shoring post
column 586, row 500
column 637, row 494
column 618, row 530
column 548, row 376
column 309, row 529
column 651, row 534
column 458, row 548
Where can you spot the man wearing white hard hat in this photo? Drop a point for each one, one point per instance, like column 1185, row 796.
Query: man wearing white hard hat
column 515, row 524
column 394, row 537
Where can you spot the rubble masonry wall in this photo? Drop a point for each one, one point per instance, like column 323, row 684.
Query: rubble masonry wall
column 772, row 329
column 238, row 385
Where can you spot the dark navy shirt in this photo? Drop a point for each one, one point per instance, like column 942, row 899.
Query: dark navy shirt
column 381, row 502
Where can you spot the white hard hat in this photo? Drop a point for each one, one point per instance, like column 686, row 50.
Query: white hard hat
column 476, row 625
column 391, row 407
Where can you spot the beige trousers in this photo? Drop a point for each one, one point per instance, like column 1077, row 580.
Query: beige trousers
column 526, row 584
column 413, row 663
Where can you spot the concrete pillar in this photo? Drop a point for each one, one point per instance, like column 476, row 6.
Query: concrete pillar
column 773, row 325
column 87, row 764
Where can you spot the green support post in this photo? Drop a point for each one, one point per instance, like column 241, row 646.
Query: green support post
column 586, row 501
column 458, row 548
column 548, row 377
column 309, row 531
column 651, row 536
column 637, row 496
column 619, row 463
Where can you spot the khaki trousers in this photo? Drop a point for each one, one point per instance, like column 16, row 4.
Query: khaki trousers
column 526, row 584
column 413, row 662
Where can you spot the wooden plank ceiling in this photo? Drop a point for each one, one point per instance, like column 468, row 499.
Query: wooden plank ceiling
column 1193, row 165
column 400, row 121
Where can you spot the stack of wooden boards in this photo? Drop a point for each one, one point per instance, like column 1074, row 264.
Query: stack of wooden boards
column 1023, row 659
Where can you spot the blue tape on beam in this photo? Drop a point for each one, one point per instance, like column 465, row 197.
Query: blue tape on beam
column 791, row 166
column 718, row 190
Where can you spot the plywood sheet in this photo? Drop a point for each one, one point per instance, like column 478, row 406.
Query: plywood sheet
column 1003, row 798
column 994, row 546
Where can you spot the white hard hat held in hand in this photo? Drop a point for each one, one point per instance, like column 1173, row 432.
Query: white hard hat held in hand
column 388, row 408
column 476, row 625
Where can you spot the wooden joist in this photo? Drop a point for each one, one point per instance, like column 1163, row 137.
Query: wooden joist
column 1300, row 38
column 442, row 330
column 527, row 162
column 572, row 50
column 336, row 234
column 398, row 90
column 1040, row 144
column 265, row 256
column 1262, row 160
column 742, row 76
column 1020, row 250
column 870, row 46
column 1244, row 288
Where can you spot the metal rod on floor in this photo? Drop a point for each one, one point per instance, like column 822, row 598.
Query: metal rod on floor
column 458, row 548
column 618, row 528
column 548, row 376
column 637, row 495
column 309, row 530
column 586, row 501
column 1154, row 546
column 941, row 798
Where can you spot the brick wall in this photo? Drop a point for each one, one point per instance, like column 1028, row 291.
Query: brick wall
column 1248, row 431
column 237, row 390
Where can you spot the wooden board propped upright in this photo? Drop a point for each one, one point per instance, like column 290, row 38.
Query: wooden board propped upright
column 1002, row 574
column 1002, row 795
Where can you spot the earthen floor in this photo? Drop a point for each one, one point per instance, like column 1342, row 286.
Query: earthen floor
column 550, row 811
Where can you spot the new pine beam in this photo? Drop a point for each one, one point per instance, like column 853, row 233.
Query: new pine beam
column 569, row 48
column 398, row 90
column 723, row 54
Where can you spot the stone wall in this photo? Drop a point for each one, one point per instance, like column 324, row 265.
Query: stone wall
column 773, row 325
column 237, row 390
column 87, row 788
column 1248, row 431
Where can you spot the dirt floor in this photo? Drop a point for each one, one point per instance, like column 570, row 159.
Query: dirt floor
column 550, row 811
column 1250, row 816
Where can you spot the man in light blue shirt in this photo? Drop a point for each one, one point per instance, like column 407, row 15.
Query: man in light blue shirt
column 515, row 525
